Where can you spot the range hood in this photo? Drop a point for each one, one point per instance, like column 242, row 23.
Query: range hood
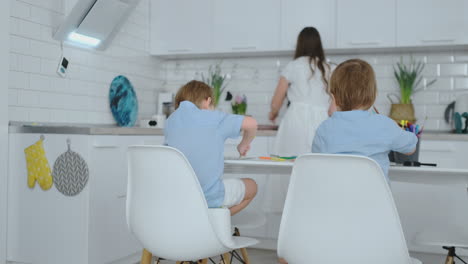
column 94, row 23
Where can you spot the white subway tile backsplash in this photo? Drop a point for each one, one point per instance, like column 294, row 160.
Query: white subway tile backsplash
column 436, row 111
column 426, row 97
column 45, row 16
column 40, row 115
column 28, row 29
column 12, row 96
column 461, row 83
column 441, row 83
column 439, row 58
column 45, row 50
column 20, row 9
column 14, row 64
column 446, row 97
column 453, row 69
column 18, row 80
column 16, row 113
column 431, row 70
column 29, row 64
column 40, row 82
column 28, row 98
column 461, row 56
column 20, row 45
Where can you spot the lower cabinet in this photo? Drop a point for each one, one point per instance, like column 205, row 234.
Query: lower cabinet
column 47, row 227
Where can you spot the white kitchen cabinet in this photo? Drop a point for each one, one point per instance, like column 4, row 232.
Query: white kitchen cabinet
column 110, row 238
column 366, row 23
column 431, row 22
column 47, row 227
column 246, row 25
column 297, row 14
column 181, row 26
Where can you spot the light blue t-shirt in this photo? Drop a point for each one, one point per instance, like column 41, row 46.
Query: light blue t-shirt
column 200, row 135
column 362, row 133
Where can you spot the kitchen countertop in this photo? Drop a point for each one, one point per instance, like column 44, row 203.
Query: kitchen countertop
column 93, row 129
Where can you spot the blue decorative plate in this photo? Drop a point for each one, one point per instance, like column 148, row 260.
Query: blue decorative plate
column 123, row 101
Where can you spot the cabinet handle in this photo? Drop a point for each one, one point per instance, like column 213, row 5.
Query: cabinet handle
column 361, row 43
column 105, row 146
column 437, row 40
column 179, row 50
column 121, row 196
column 244, row 48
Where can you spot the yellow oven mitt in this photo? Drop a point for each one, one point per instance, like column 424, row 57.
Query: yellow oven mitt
column 38, row 166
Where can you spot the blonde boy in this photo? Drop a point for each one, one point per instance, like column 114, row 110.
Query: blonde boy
column 199, row 132
column 352, row 129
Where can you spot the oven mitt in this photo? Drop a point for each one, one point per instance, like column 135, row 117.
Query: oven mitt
column 38, row 166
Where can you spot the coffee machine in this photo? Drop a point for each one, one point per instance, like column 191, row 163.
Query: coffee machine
column 165, row 104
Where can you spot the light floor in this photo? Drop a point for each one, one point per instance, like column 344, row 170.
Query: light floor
column 257, row 256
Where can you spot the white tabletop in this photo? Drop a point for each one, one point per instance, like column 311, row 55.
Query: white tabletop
column 425, row 175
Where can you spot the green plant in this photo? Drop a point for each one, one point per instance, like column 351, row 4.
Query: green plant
column 239, row 105
column 217, row 81
column 409, row 78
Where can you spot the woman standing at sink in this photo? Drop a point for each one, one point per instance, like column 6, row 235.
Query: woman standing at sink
column 304, row 81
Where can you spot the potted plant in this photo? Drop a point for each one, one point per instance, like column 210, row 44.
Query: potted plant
column 239, row 105
column 217, row 81
column 409, row 80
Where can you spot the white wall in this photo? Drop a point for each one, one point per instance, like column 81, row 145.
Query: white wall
column 38, row 94
column 257, row 78
column 4, row 47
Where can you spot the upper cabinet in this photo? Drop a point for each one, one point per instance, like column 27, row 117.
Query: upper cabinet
column 297, row 14
column 366, row 23
column 432, row 22
column 246, row 25
column 181, row 26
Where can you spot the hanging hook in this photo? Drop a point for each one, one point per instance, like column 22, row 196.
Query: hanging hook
column 42, row 137
column 68, row 143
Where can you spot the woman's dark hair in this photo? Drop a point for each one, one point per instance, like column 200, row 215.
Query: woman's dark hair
column 309, row 44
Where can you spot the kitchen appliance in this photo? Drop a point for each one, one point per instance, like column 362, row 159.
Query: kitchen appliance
column 165, row 104
column 455, row 112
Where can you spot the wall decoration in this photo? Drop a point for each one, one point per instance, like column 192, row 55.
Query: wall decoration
column 123, row 101
column 38, row 166
column 70, row 172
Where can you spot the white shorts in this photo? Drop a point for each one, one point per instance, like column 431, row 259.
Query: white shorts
column 234, row 192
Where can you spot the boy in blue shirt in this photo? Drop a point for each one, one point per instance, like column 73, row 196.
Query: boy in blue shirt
column 352, row 129
column 199, row 133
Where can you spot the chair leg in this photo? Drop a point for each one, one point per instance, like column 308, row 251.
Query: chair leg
column 226, row 258
column 146, row 257
column 243, row 251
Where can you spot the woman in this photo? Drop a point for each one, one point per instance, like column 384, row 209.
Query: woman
column 305, row 82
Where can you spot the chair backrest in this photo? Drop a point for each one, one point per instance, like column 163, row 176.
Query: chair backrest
column 166, row 208
column 339, row 209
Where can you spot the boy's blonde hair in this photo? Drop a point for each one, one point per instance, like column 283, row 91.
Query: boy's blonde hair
column 353, row 85
column 195, row 92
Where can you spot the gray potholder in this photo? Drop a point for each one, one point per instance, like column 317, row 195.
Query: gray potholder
column 70, row 173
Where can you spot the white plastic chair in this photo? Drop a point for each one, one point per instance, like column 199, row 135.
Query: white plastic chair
column 339, row 209
column 167, row 211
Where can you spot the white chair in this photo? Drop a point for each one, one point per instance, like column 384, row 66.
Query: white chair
column 167, row 211
column 339, row 209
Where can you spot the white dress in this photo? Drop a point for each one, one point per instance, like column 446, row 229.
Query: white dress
column 308, row 108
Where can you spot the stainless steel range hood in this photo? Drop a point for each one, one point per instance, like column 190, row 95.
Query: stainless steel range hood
column 94, row 23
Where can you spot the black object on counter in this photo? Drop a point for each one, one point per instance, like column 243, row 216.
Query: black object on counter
column 418, row 164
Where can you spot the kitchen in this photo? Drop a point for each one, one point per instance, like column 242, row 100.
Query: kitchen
column 161, row 46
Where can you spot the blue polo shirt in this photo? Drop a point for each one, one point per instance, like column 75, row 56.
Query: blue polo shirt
column 363, row 133
column 200, row 135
